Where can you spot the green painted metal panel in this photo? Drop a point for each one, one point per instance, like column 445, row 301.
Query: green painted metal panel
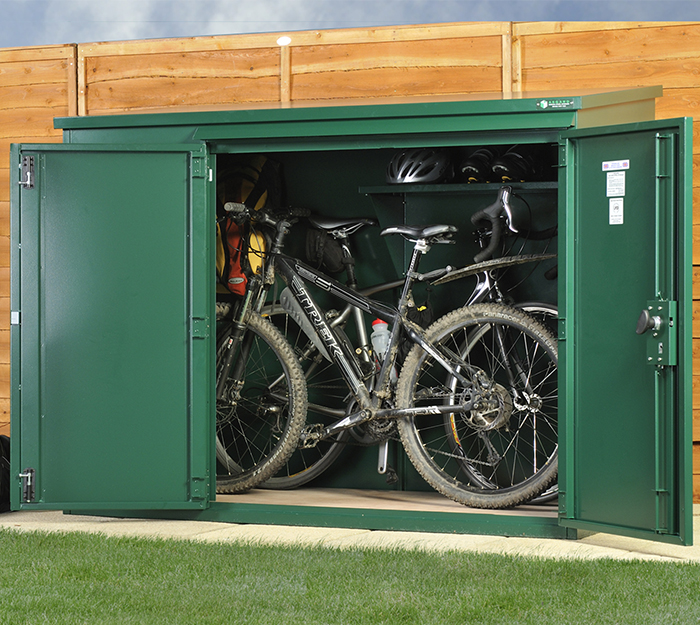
column 625, row 398
column 456, row 120
column 112, row 296
column 367, row 518
column 550, row 109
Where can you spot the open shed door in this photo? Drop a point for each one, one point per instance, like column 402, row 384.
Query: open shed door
column 111, row 303
column 625, row 427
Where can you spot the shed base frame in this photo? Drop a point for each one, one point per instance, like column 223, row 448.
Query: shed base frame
column 365, row 509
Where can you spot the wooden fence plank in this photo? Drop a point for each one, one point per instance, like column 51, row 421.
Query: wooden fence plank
column 30, row 124
column 311, row 37
column 621, row 45
column 148, row 93
column 4, row 346
column 675, row 72
column 391, row 82
column 52, row 96
column 43, row 53
column 4, row 380
column 285, row 74
column 678, row 102
column 445, row 53
column 223, row 64
column 541, row 28
column 5, row 218
column 5, row 185
column 507, row 61
column 4, row 262
column 54, row 71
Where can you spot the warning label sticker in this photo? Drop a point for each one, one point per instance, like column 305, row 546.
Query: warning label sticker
column 615, row 184
column 616, row 211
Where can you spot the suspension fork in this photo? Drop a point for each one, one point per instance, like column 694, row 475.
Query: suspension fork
column 238, row 336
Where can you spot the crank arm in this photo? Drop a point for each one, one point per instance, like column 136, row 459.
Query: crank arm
column 397, row 413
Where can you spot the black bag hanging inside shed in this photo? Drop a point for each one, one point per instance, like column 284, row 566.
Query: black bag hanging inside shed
column 322, row 250
column 4, row 473
column 255, row 181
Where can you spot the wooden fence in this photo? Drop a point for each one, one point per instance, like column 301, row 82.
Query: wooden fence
column 197, row 73
column 36, row 85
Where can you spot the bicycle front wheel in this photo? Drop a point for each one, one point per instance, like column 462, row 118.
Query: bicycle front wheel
column 328, row 397
column 259, row 418
column 503, row 451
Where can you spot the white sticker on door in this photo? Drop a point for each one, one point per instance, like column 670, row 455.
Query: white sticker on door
column 612, row 165
column 615, row 184
column 616, row 211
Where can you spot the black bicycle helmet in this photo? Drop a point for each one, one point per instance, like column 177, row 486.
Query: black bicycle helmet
column 514, row 166
column 477, row 168
column 420, row 165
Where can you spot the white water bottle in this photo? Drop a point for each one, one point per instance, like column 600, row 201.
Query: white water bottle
column 380, row 338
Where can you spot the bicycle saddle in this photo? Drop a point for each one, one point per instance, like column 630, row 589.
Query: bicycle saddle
column 333, row 223
column 420, row 232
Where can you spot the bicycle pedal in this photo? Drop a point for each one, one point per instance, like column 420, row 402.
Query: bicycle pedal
column 391, row 476
column 311, row 435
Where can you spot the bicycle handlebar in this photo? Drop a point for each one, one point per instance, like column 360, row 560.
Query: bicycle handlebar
column 492, row 215
column 239, row 210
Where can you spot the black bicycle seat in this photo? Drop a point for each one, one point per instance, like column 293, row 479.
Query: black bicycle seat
column 420, row 232
column 333, row 223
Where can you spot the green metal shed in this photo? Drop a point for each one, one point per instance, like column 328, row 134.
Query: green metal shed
column 113, row 300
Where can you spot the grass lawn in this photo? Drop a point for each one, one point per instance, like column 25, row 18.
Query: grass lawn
column 81, row 578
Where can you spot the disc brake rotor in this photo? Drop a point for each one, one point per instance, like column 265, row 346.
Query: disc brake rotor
column 491, row 411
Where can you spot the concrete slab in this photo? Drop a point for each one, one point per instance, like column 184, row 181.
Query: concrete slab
column 592, row 546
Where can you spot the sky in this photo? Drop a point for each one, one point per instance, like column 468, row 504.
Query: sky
column 44, row 22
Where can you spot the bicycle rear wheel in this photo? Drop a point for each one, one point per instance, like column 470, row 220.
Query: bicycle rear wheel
column 258, row 423
column 548, row 315
column 503, row 451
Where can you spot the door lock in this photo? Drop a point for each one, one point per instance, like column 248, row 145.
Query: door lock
column 647, row 321
column 660, row 316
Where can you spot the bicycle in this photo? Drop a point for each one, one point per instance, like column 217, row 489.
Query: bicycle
column 328, row 394
column 475, row 384
column 325, row 385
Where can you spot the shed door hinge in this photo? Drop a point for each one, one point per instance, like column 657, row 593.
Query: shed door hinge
column 199, row 169
column 28, row 485
column 200, row 327
column 198, row 488
column 26, row 178
column 562, row 155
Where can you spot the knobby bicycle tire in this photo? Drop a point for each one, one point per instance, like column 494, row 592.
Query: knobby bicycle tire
column 503, row 452
column 259, row 425
column 327, row 391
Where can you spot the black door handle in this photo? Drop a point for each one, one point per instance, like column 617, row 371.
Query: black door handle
column 647, row 322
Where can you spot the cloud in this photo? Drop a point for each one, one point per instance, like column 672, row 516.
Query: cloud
column 41, row 22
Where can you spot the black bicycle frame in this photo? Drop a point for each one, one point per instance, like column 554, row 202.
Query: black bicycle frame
column 295, row 273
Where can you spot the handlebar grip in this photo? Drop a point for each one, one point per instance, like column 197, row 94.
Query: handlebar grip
column 299, row 212
column 496, row 229
column 235, row 207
